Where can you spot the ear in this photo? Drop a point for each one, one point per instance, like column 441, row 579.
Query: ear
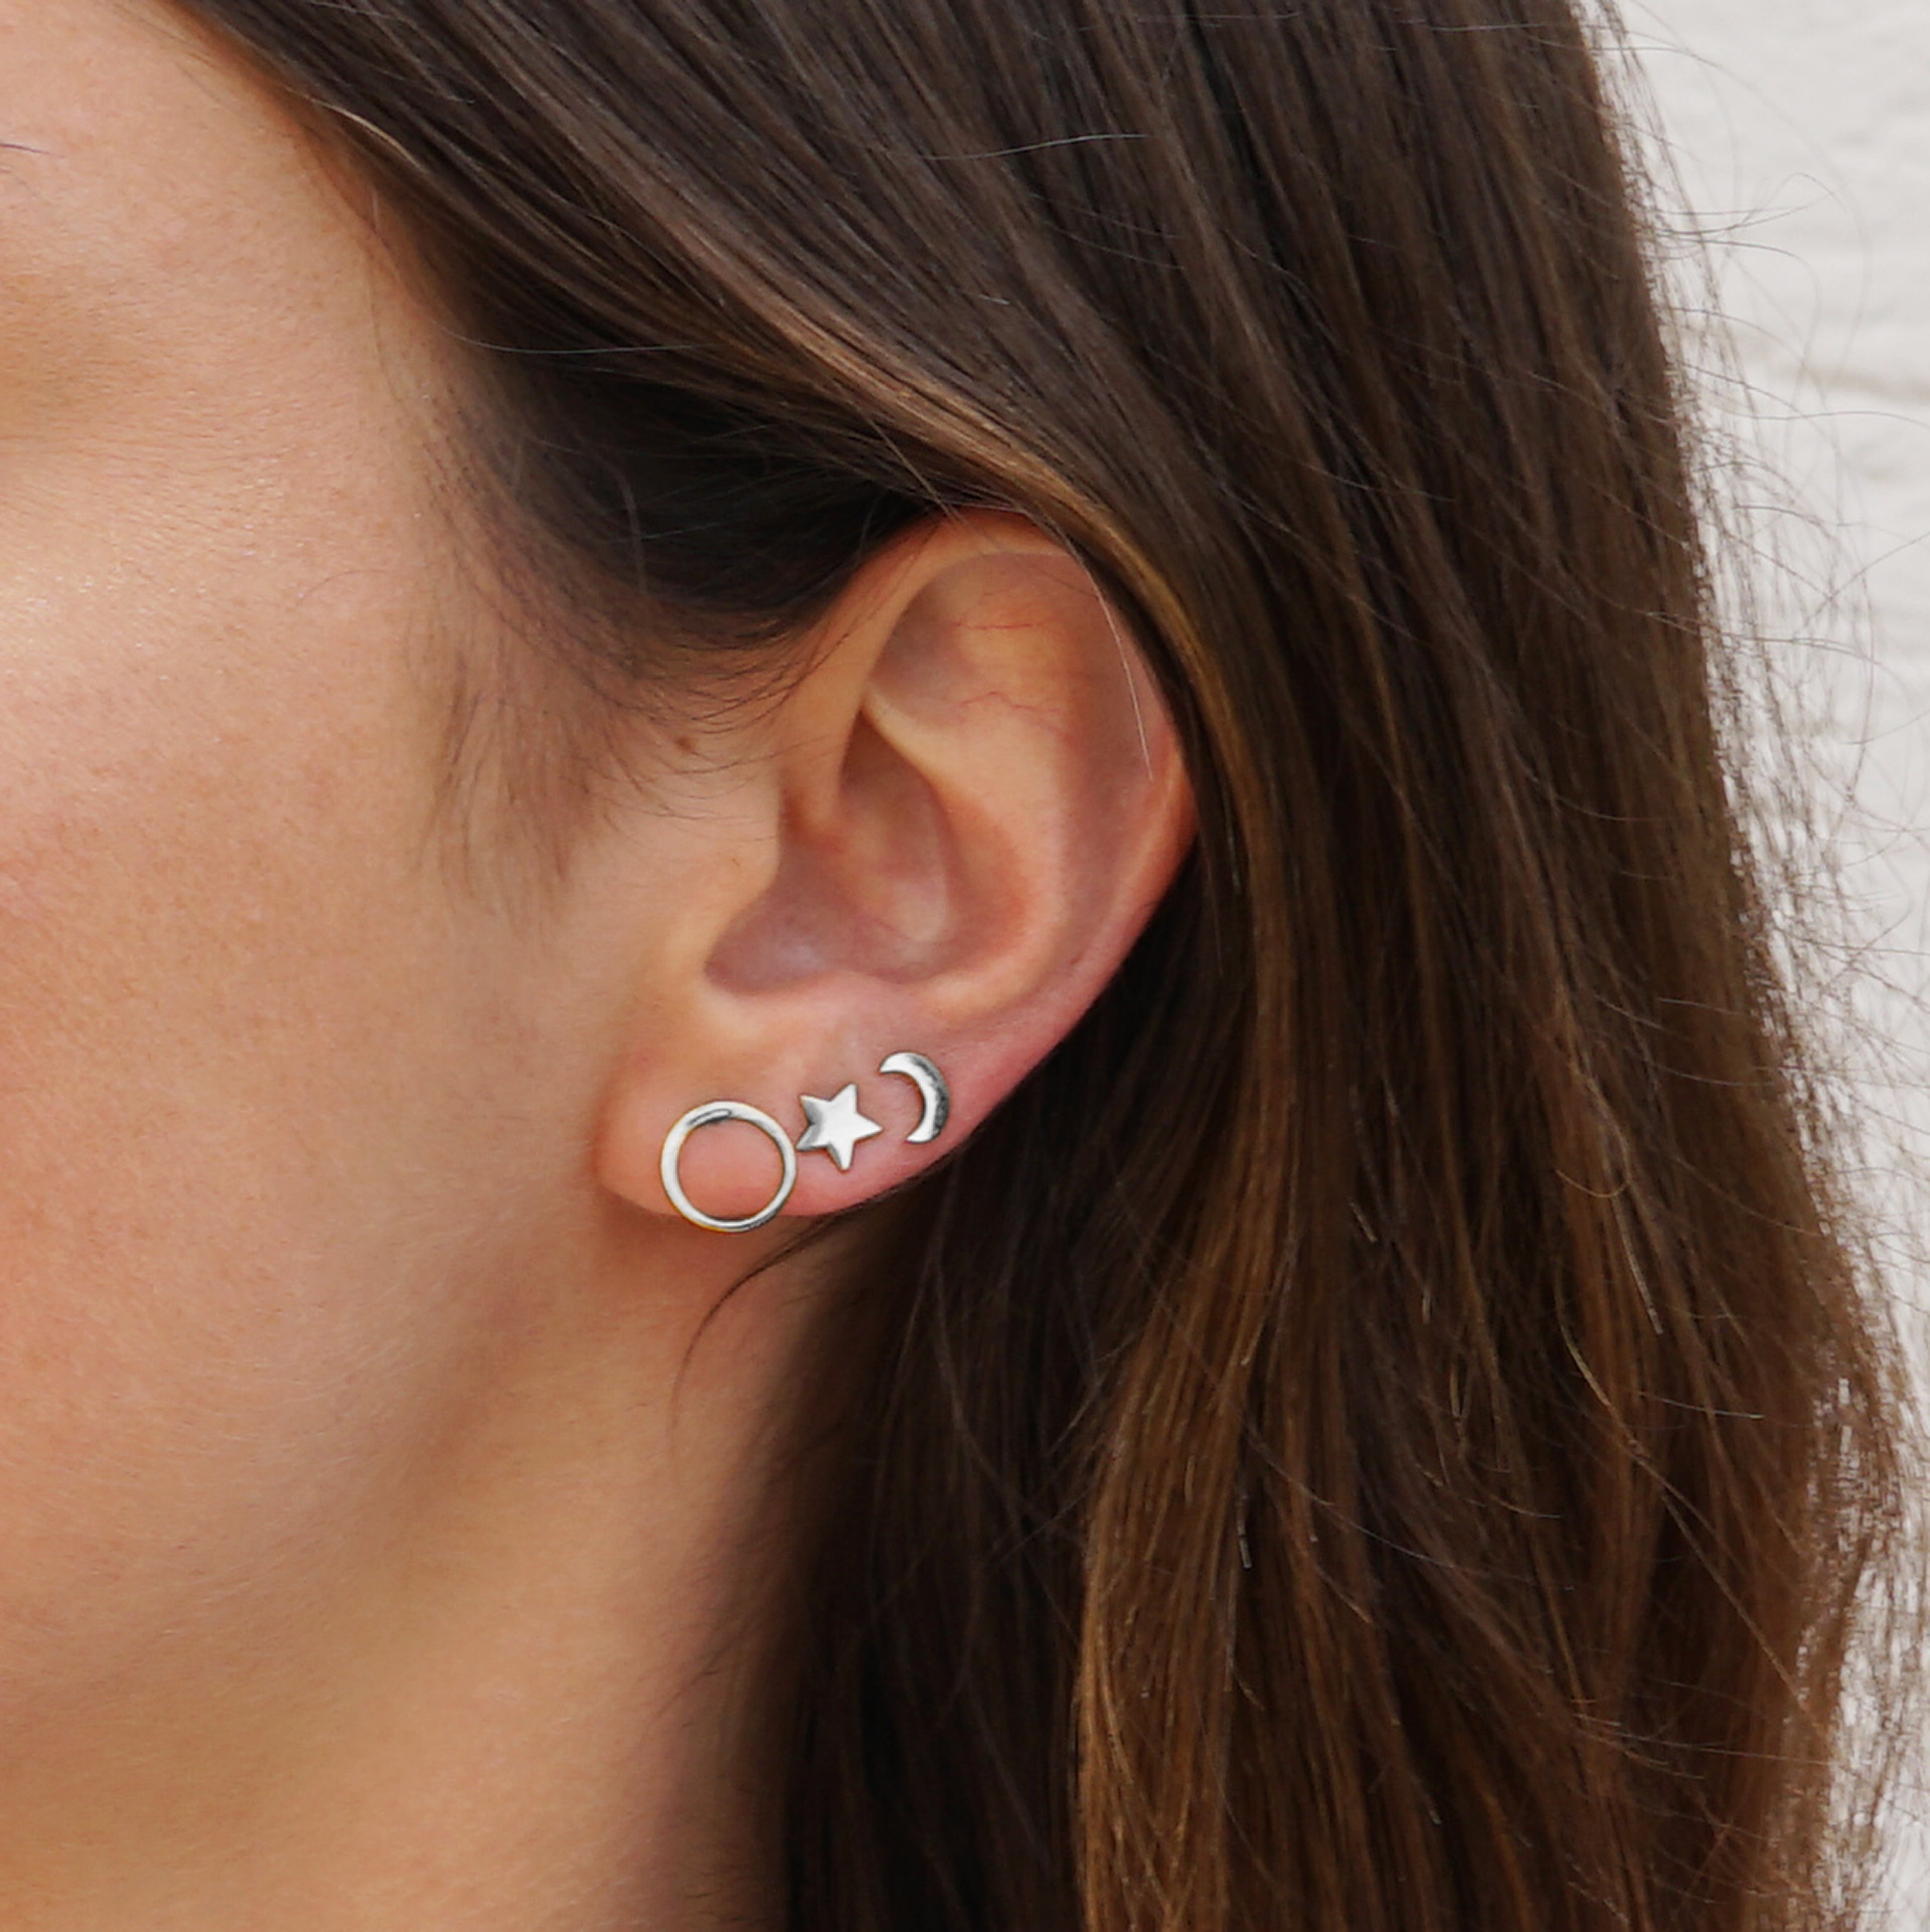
column 945, row 839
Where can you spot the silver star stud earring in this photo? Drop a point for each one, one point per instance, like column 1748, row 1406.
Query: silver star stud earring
column 836, row 1126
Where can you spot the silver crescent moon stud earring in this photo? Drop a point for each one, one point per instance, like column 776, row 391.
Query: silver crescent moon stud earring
column 711, row 1115
column 932, row 1090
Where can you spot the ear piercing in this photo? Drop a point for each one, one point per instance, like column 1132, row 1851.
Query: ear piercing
column 834, row 1126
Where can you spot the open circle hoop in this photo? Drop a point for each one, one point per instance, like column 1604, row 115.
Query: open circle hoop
column 712, row 1115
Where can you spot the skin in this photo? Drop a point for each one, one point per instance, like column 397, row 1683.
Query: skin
column 396, row 1516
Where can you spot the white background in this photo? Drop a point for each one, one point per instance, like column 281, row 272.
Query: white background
column 1794, row 139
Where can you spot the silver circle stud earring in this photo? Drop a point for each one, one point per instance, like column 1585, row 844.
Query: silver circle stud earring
column 711, row 1115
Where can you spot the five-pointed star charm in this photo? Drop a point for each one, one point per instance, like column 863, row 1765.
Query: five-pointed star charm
column 835, row 1124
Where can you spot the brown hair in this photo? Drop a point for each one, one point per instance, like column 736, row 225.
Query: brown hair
column 1380, row 1433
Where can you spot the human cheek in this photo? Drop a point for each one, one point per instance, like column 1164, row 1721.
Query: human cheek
column 251, row 1041
column 239, row 1009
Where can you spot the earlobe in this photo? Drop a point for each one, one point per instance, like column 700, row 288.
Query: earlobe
column 834, row 1127
column 977, row 799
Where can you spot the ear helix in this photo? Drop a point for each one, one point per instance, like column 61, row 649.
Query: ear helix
column 834, row 1126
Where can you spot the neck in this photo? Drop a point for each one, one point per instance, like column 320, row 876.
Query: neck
column 528, row 1687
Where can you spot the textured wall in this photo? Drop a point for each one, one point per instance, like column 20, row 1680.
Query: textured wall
column 1800, row 135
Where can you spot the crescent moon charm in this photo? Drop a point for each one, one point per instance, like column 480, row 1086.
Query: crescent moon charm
column 932, row 1090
